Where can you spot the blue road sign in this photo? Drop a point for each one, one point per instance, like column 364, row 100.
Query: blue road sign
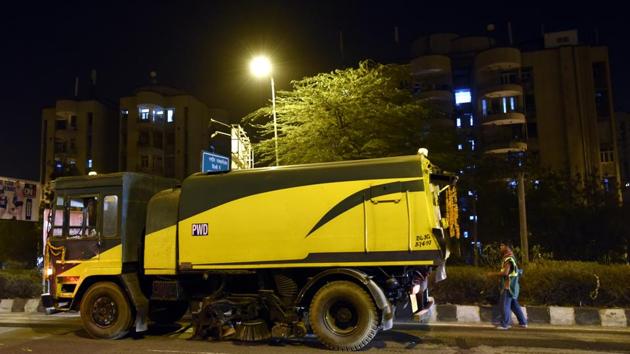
column 214, row 163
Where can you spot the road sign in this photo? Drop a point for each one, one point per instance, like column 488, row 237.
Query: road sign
column 213, row 162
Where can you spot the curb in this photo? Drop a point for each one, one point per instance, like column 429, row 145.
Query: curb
column 21, row 305
column 552, row 315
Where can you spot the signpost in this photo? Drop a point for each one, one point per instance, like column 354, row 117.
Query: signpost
column 213, row 162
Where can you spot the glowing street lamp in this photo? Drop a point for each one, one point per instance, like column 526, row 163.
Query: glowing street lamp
column 260, row 66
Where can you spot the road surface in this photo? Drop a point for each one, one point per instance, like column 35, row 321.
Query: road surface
column 62, row 333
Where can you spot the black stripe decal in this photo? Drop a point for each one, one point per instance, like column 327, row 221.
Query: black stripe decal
column 204, row 192
column 367, row 193
column 346, row 257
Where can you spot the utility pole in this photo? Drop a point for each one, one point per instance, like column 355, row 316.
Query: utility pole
column 522, row 217
column 474, row 231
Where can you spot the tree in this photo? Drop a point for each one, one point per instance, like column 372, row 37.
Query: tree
column 353, row 113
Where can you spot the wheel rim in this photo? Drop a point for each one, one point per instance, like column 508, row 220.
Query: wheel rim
column 341, row 317
column 104, row 311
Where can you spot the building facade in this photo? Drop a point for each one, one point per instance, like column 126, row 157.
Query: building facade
column 554, row 102
column 78, row 136
column 162, row 132
column 623, row 142
column 551, row 102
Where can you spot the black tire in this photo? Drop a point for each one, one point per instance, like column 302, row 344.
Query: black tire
column 166, row 312
column 105, row 311
column 343, row 317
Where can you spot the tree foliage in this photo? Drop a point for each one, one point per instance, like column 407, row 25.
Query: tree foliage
column 353, row 113
column 569, row 217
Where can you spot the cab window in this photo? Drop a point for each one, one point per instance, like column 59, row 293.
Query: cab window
column 57, row 217
column 82, row 217
column 110, row 216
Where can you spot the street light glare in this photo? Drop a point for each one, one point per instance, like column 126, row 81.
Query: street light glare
column 260, row 66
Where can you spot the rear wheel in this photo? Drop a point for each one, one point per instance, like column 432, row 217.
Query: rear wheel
column 343, row 316
column 105, row 311
column 165, row 312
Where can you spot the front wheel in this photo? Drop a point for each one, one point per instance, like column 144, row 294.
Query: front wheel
column 105, row 311
column 343, row 316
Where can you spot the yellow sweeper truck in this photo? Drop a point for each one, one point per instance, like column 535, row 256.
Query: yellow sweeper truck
column 268, row 253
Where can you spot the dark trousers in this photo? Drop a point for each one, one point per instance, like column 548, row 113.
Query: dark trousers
column 507, row 305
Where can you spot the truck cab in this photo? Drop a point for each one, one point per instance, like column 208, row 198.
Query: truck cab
column 94, row 231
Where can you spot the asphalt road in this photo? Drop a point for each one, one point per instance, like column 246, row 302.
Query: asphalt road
column 62, row 333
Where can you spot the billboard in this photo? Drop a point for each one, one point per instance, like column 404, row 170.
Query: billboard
column 19, row 199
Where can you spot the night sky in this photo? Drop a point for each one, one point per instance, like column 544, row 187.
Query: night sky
column 203, row 47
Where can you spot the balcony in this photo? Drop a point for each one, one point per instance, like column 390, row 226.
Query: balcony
column 498, row 59
column 431, row 65
column 500, row 89
column 505, row 147
column 149, row 99
column 503, row 139
column 437, row 95
column 437, row 92
column 504, row 118
column 63, row 151
column 67, row 132
column 66, row 108
column 469, row 44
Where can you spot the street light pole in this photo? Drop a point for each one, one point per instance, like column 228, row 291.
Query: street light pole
column 275, row 123
column 260, row 66
column 522, row 216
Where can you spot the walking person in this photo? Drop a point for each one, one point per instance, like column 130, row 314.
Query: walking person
column 509, row 288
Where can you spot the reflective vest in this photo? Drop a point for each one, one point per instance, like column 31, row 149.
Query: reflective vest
column 512, row 277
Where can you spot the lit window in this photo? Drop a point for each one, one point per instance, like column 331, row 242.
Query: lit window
column 470, row 193
column 472, row 144
column 158, row 115
column 462, row 96
column 169, row 115
column 458, row 122
column 144, row 114
column 469, row 117
column 89, row 163
column 460, row 147
column 504, row 104
column 124, row 114
column 484, row 107
column 465, row 234
column 512, row 104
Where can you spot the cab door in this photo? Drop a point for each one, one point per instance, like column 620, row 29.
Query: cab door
column 82, row 232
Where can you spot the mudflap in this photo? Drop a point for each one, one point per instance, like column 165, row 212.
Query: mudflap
column 422, row 306
column 139, row 301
